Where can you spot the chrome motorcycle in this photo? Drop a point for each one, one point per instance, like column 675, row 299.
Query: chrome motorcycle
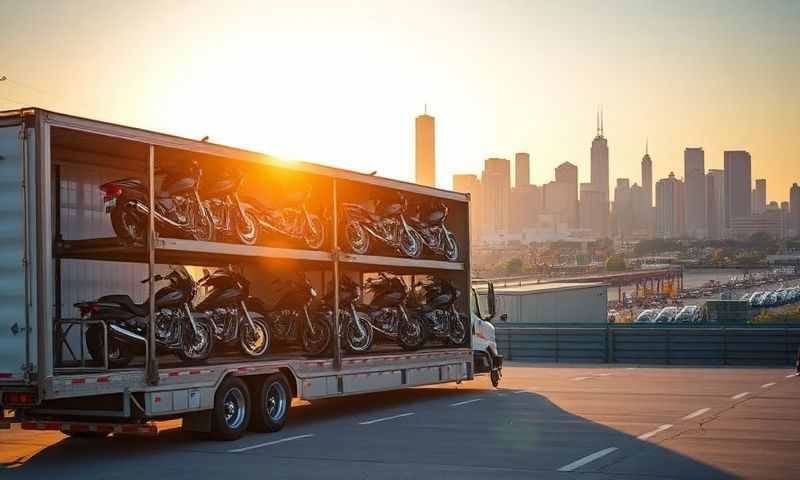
column 388, row 314
column 429, row 223
column 387, row 224
column 179, row 212
column 434, row 304
column 226, row 306
column 228, row 215
column 179, row 330
column 293, row 220
column 355, row 329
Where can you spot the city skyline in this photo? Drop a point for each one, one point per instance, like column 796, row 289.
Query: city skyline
column 338, row 86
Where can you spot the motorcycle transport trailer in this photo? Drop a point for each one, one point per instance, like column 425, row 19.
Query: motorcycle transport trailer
column 59, row 248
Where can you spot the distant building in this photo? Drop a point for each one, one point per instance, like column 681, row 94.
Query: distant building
column 623, row 208
column 526, row 205
column 695, row 191
column 593, row 210
column 472, row 185
column 715, row 203
column 425, row 150
column 496, row 181
column 647, row 176
column 794, row 209
column 599, row 160
column 561, row 196
column 770, row 221
column 737, row 185
column 522, row 169
column 642, row 213
column 759, row 198
column 670, row 221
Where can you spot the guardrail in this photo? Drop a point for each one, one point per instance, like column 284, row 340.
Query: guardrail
column 696, row 345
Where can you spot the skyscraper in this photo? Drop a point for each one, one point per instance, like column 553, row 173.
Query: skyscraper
column 496, row 181
column 715, row 203
column 647, row 175
column 472, row 185
column 737, row 185
column 670, row 222
column 593, row 210
column 623, row 209
column 599, row 168
column 759, row 196
column 561, row 196
column 794, row 209
column 526, row 205
column 694, row 171
column 522, row 169
column 425, row 150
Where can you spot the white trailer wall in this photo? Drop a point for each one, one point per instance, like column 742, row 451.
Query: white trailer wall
column 554, row 303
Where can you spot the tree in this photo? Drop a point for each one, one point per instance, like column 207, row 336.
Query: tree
column 513, row 266
column 616, row 263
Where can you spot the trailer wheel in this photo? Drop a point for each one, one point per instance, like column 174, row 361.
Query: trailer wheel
column 273, row 404
column 231, row 412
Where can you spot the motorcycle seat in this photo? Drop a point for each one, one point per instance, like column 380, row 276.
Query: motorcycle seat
column 124, row 301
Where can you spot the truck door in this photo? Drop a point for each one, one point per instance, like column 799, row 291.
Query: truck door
column 17, row 342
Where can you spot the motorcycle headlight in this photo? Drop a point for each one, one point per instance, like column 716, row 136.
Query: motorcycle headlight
column 313, row 292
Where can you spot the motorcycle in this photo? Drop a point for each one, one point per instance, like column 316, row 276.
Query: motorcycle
column 290, row 319
column 429, row 223
column 354, row 328
column 228, row 214
column 178, row 329
column 293, row 220
column 178, row 209
column 388, row 224
column 434, row 304
column 233, row 322
column 388, row 315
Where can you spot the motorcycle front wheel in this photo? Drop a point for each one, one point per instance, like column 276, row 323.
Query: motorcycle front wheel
column 411, row 335
column 255, row 343
column 203, row 228
column 314, row 232
column 355, row 341
column 127, row 225
column 458, row 333
column 314, row 343
column 451, row 247
column 357, row 238
column 196, row 348
column 119, row 353
column 411, row 243
column 247, row 228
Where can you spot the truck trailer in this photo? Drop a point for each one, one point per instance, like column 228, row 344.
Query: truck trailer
column 60, row 247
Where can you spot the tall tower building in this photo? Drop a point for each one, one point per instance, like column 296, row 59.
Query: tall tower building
column 425, row 150
column 647, row 175
column 737, row 185
column 760, row 196
column 670, row 222
column 522, row 169
column 623, row 208
column 694, row 171
column 715, row 203
column 496, row 183
column 599, row 170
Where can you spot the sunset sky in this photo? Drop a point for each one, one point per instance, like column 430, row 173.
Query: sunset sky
column 339, row 83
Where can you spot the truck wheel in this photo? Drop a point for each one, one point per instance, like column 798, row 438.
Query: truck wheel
column 272, row 405
column 494, row 373
column 231, row 412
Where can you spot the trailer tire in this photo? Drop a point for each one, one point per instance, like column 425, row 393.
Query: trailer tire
column 273, row 401
column 231, row 413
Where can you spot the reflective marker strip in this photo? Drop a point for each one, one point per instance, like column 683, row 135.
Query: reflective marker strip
column 587, row 459
column 90, row 427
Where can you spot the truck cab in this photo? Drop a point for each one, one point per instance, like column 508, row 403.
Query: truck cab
column 486, row 356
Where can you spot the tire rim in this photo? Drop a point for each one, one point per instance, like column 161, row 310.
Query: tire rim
column 199, row 342
column 247, row 235
column 233, row 406
column 356, row 236
column 451, row 253
column 131, row 225
column 276, row 401
column 316, row 342
column 255, row 342
column 458, row 334
column 357, row 341
column 410, row 244
column 410, row 333
column 315, row 241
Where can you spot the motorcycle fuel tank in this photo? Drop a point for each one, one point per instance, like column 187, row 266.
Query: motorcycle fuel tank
column 178, row 184
column 221, row 297
column 170, row 297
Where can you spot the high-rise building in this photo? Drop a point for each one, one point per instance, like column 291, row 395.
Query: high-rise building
column 794, row 209
column 647, row 175
column 670, row 221
column 526, row 205
column 623, row 208
column 425, row 150
column 715, row 203
column 599, row 168
column 759, row 199
column 561, row 196
column 522, row 169
column 641, row 212
column 695, row 191
column 737, row 185
column 496, row 181
column 593, row 210
column 471, row 185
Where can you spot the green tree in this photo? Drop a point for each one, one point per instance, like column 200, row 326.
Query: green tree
column 513, row 266
column 616, row 263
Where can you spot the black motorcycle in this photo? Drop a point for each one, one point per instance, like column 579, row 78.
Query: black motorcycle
column 179, row 212
column 387, row 224
column 434, row 304
column 228, row 215
column 178, row 329
column 292, row 219
column 388, row 314
column 429, row 223
column 355, row 330
column 226, row 305
column 290, row 318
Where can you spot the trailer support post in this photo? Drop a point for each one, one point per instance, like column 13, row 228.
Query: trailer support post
column 151, row 351
column 337, row 347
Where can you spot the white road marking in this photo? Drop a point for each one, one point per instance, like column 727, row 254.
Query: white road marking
column 767, row 385
column 696, row 414
column 658, row 430
column 267, row 444
column 587, row 459
column 465, row 402
column 578, row 379
column 378, row 420
column 740, row 395
column 601, row 374
column 791, row 375
column 530, row 390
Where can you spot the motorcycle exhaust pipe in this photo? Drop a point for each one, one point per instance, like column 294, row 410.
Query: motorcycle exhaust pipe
column 125, row 333
column 146, row 211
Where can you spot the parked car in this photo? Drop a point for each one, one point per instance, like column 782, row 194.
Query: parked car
column 666, row 315
column 688, row 314
column 646, row 316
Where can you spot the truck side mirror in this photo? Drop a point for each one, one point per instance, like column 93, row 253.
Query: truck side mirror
column 504, row 317
column 491, row 300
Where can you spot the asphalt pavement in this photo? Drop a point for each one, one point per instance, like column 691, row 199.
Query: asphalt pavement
column 587, row 422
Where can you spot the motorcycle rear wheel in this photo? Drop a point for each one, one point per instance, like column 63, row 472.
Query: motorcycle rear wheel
column 255, row 344
column 196, row 348
column 119, row 353
column 317, row 342
column 127, row 225
column 316, row 236
column 357, row 238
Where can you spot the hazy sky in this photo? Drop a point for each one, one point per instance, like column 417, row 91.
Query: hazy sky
column 339, row 83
